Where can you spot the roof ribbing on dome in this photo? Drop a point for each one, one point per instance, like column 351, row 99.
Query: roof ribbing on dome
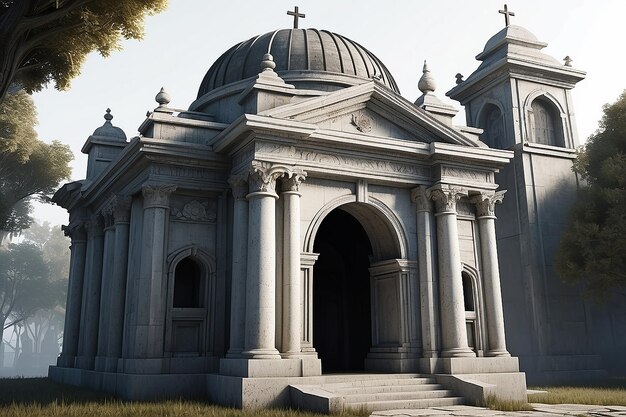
column 297, row 50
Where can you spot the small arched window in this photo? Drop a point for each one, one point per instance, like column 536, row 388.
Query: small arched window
column 492, row 123
column 187, row 284
column 468, row 293
column 547, row 123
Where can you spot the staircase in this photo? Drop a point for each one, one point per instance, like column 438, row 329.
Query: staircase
column 372, row 392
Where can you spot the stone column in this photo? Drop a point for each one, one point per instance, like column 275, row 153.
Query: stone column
column 151, row 285
column 292, row 303
column 261, row 271
column 239, row 186
column 88, row 343
column 427, row 271
column 105, row 291
column 121, row 217
column 74, row 294
column 485, row 213
column 453, row 328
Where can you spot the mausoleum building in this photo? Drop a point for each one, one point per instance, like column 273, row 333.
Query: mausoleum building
column 302, row 226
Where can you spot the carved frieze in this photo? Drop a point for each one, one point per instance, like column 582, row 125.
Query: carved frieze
column 466, row 174
column 353, row 162
column 195, row 211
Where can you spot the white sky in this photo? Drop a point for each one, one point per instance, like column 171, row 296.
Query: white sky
column 181, row 44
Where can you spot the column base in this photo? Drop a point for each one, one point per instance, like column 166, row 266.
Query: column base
column 482, row 365
column 261, row 354
column 458, row 353
column 234, row 353
column 65, row 361
column 84, row 362
column 498, row 353
column 265, row 368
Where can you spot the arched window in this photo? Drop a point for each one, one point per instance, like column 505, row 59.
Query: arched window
column 470, row 312
column 492, row 123
column 547, row 123
column 187, row 284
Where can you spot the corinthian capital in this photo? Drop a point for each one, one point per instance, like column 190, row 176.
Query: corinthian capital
column 446, row 198
column 94, row 225
column 292, row 178
column 263, row 178
column 239, row 185
column 121, row 208
column 157, row 195
column 422, row 198
column 486, row 203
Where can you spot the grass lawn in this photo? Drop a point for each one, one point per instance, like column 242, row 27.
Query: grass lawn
column 612, row 393
column 35, row 397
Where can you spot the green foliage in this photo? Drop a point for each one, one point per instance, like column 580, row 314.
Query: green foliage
column 28, row 166
column 44, row 41
column 593, row 247
column 24, row 282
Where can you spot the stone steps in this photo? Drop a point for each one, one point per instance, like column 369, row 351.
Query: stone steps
column 406, row 404
column 373, row 393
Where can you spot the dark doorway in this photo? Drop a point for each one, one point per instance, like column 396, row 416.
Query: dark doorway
column 341, row 293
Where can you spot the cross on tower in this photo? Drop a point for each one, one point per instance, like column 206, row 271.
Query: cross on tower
column 506, row 14
column 296, row 15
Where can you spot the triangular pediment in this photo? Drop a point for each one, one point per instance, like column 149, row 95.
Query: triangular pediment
column 371, row 109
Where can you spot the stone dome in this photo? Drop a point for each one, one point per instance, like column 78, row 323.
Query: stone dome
column 108, row 131
column 303, row 57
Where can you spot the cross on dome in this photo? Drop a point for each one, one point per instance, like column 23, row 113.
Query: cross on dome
column 507, row 14
column 296, row 15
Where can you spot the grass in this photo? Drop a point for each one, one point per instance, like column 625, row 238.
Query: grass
column 614, row 393
column 493, row 403
column 38, row 397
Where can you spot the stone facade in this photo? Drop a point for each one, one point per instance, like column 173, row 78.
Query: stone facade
column 293, row 222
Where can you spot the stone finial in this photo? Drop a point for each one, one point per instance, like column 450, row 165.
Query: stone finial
column 163, row 98
column 568, row 61
column 268, row 64
column 427, row 82
column 108, row 116
column 459, row 78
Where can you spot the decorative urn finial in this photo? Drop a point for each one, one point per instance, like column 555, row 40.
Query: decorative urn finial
column 568, row 61
column 108, row 116
column 268, row 64
column 163, row 98
column 427, row 82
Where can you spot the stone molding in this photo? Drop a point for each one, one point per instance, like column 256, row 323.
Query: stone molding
column 157, row 195
column 446, row 199
column 422, row 198
column 486, row 203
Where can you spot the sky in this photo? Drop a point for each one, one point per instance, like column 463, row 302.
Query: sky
column 181, row 43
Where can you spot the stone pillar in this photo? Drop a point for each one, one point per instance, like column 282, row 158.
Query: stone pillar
column 453, row 327
column 151, row 285
column 105, row 291
column 427, row 272
column 261, row 271
column 121, row 217
column 74, row 294
column 88, row 343
column 239, row 186
column 292, row 302
column 485, row 213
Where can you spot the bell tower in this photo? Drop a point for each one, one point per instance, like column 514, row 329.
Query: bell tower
column 521, row 98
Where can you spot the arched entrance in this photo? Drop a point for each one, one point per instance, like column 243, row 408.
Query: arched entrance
column 341, row 293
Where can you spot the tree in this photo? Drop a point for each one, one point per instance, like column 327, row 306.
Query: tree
column 593, row 247
column 24, row 283
column 47, row 40
column 28, row 166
